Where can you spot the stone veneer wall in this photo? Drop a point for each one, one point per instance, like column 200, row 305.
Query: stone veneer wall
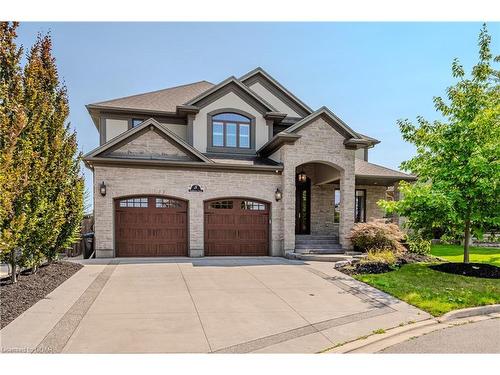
column 322, row 210
column 319, row 142
column 150, row 144
column 373, row 194
column 322, row 206
column 149, row 181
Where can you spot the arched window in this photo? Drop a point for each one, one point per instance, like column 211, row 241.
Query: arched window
column 231, row 130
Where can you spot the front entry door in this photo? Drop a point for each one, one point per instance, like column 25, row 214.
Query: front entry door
column 303, row 207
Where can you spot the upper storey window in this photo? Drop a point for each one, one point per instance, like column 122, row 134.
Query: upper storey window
column 231, row 130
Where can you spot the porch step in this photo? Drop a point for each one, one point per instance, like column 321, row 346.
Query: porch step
column 313, row 237
column 320, row 257
column 315, row 250
column 314, row 245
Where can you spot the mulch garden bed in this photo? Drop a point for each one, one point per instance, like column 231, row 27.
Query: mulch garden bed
column 482, row 270
column 364, row 267
column 30, row 288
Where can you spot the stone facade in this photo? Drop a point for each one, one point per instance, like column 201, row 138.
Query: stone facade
column 150, row 144
column 126, row 181
column 308, row 151
column 322, row 210
column 374, row 193
column 319, row 143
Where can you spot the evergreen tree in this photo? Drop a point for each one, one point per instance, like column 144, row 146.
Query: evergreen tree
column 50, row 205
column 15, row 151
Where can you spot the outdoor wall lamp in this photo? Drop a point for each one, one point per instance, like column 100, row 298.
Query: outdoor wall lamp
column 302, row 177
column 102, row 189
column 278, row 194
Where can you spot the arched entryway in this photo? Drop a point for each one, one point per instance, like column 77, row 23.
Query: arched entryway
column 317, row 204
column 236, row 226
column 150, row 226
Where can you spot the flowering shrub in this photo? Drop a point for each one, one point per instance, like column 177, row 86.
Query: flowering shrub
column 376, row 235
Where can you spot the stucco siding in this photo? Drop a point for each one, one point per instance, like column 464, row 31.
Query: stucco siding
column 115, row 127
column 230, row 100
column 177, row 129
column 273, row 100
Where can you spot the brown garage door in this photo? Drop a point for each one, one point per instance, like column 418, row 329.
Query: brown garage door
column 150, row 226
column 236, row 227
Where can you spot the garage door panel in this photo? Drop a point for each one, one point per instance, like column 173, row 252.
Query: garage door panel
column 237, row 227
column 150, row 226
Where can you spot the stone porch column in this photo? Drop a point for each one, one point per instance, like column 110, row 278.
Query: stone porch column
column 288, row 178
column 347, row 191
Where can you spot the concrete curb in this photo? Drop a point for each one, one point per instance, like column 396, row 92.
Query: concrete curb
column 473, row 311
column 378, row 342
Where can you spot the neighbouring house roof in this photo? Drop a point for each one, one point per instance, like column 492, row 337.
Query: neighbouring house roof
column 165, row 100
column 370, row 172
column 155, row 124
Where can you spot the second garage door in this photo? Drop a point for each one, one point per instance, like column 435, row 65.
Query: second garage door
column 236, row 227
column 150, row 226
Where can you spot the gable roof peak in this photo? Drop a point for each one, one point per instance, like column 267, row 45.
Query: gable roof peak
column 240, row 85
column 282, row 90
column 151, row 122
column 334, row 119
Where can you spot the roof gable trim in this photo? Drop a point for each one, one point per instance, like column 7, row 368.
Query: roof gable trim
column 277, row 89
column 327, row 115
column 156, row 125
column 231, row 84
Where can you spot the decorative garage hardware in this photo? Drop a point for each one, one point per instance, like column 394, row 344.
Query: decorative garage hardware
column 195, row 188
column 102, row 189
column 302, row 177
column 278, row 194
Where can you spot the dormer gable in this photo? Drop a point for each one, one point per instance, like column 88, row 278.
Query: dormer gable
column 264, row 85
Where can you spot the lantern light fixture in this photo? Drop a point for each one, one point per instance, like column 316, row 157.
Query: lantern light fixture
column 278, row 194
column 102, row 189
column 302, row 177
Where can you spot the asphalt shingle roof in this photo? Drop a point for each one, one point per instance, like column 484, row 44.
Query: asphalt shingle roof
column 165, row 100
column 363, row 168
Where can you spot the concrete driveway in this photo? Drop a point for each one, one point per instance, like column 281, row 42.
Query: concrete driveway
column 181, row 305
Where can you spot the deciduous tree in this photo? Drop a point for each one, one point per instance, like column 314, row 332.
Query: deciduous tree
column 458, row 157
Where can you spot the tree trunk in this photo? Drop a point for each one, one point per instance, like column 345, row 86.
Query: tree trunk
column 467, row 241
column 13, row 267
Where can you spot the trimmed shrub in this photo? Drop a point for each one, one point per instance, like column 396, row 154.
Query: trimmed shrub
column 376, row 235
column 418, row 245
column 380, row 256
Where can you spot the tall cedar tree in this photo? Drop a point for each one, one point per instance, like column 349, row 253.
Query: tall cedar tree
column 52, row 201
column 15, row 152
column 458, row 158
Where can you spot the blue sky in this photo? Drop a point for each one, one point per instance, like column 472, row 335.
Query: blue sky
column 369, row 74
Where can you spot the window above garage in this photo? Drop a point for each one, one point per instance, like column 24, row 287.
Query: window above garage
column 231, row 132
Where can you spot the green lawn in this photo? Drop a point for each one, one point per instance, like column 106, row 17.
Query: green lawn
column 455, row 253
column 433, row 291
